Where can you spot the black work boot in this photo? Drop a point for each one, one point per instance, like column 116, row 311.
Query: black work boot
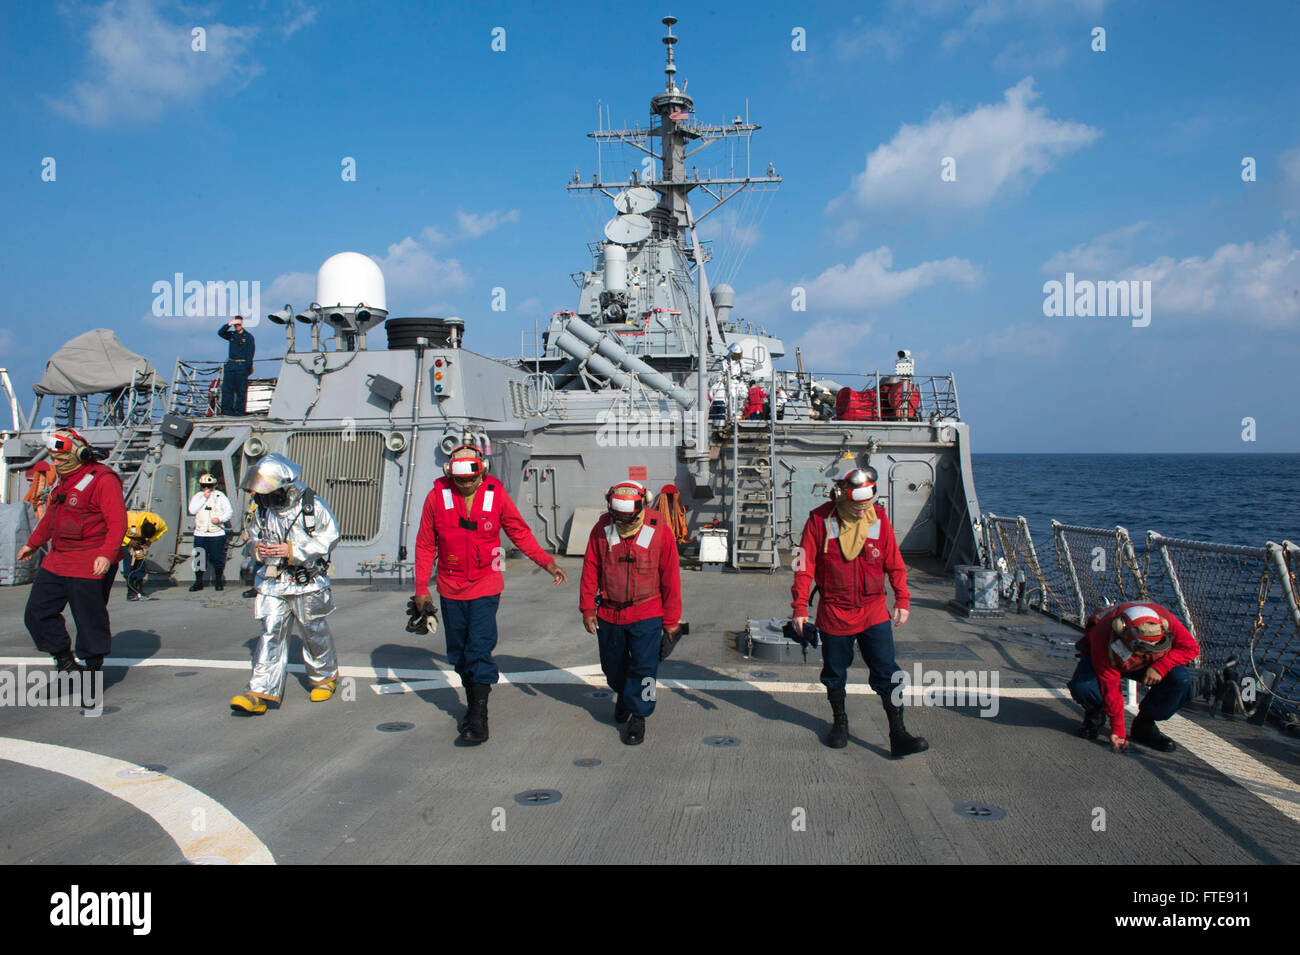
column 463, row 725
column 476, row 722
column 66, row 661
column 1093, row 720
column 838, row 737
column 198, row 584
column 1145, row 731
column 901, row 742
column 621, row 712
column 250, row 592
column 634, row 735
column 219, row 583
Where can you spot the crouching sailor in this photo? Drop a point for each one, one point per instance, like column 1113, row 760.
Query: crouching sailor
column 460, row 529
column 631, row 563
column 848, row 548
column 293, row 533
column 1134, row 641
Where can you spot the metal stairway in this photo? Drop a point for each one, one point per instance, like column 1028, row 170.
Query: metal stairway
column 129, row 454
column 753, row 489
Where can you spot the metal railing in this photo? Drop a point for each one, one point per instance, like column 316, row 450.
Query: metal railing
column 935, row 395
column 1239, row 602
column 196, row 388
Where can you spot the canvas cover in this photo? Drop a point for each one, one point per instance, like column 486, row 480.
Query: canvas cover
column 91, row 363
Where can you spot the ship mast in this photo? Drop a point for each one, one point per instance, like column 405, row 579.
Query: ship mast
column 674, row 127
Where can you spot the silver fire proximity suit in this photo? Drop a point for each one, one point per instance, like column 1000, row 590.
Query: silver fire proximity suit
column 294, row 589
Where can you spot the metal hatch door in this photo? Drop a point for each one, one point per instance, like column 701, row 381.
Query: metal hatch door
column 911, row 506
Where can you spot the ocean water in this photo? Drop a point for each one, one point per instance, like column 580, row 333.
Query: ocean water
column 1230, row 498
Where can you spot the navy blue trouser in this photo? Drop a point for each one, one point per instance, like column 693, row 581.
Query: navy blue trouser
column 133, row 570
column 1161, row 701
column 234, row 387
column 471, row 628
column 87, row 597
column 877, row 646
column 214, row 549
column 629, row 656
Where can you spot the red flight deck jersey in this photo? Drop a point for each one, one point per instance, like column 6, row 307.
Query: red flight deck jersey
column 85, row 518
column 641, row 570
column 1110, row 669
column 466, row 544
column 852, row 591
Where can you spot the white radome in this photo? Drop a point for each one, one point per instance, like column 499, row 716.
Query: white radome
column 348, row 279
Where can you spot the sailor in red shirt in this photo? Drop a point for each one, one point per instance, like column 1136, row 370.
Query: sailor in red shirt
column 1133, row 641
column 631, row 563
column 460, row 529
column 84, row 524
column 754, row 401
column 848, row 548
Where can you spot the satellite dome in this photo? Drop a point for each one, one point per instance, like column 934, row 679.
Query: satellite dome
column 349, row 279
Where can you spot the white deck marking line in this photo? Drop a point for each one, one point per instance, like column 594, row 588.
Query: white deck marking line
column 1242, row 768
column 168, row 801
column 1248, row 772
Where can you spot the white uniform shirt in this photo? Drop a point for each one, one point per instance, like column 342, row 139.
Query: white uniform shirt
column 208, row 511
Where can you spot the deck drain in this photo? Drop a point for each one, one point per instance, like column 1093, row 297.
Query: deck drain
column 188, row 673
column 106, row 711
column 142, row 772
column 721, row 741
column 763, row 674
column 979, row 810
column 398, row 726
column 601, row 694
column 538, row 797
column 586, row 762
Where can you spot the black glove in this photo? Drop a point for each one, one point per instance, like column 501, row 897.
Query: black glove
column 809, row 638
column 423, row 617
column 668, row 644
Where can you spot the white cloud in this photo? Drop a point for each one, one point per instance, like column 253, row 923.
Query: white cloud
column 999, row 147
column 1247, row 284
column 475, row 226
column 993, row 12
column 414, row 275
column 294, row 288
column 1289, row 165
column 862, row 41
column 1030, row 340
column 828, row 341
column 1106, row 253
column 298, row 17
column 1019, row 58
column 139, row 65
column 866, row 283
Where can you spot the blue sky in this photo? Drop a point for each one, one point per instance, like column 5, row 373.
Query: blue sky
column 1122, row 165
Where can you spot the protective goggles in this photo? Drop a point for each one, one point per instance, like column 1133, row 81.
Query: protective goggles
column 623, row 505
column 61, row 444
column 863, row 492
column 466, row 467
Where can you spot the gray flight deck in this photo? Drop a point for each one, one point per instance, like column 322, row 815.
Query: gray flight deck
column 321, row 783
